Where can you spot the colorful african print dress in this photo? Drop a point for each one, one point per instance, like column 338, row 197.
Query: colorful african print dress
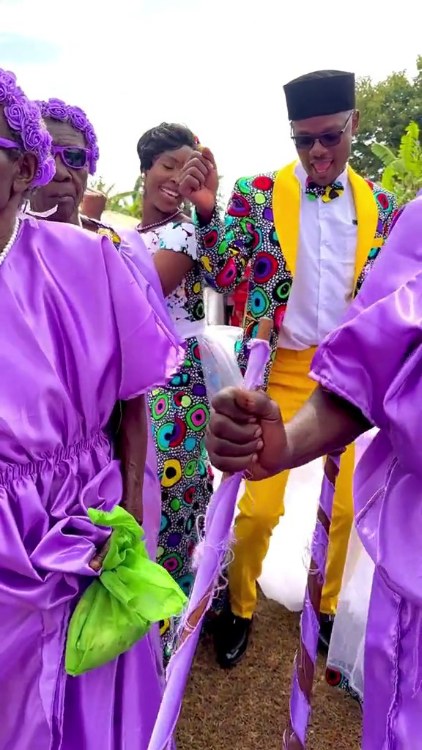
column 179, row 417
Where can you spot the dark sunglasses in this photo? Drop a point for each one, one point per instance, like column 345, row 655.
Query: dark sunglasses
column 328, row 140
column 9, row 145
column 74, row 157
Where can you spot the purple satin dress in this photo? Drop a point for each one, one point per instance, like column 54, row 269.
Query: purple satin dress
column 77, row 334
column 375, row 362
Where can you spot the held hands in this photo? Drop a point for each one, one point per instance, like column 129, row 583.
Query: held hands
column 133, row 505
column 98, row 559
column 246, row 433
column 199, row 183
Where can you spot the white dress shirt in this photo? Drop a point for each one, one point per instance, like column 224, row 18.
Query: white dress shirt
column 323, row 283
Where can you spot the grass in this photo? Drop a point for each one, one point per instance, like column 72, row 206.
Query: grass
column 246, row 708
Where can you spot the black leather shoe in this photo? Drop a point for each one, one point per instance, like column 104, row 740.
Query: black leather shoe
column 326, row 623
column 231, row 638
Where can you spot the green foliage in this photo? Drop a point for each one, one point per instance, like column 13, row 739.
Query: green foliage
column 386, row 108
column 402, row 169
column 128, row 202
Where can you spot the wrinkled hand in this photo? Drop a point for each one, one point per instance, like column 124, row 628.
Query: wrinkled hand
column 199, row 183
column 246, row 433
column 98, row 559
column 133, row 505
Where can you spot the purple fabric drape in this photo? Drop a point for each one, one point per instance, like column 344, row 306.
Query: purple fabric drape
column 374, row 361
column 78, row 334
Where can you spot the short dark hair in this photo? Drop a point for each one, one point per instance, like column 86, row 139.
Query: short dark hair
column 164, row 137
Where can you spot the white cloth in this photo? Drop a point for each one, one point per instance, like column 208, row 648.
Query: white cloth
column 214, row 307
column 187, row 329
column 180, row 238
column 285, row 568
column 322, row 287
column 346, row 654
column 218, row 358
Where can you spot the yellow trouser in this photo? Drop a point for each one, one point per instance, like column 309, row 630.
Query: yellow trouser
column 263, row 502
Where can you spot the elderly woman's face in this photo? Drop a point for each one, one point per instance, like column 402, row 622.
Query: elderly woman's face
column 67, row 188
column 17, row 170
column 162, row 180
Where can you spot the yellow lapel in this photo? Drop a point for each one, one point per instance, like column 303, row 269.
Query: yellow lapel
column 286, row 210
column 367, row 218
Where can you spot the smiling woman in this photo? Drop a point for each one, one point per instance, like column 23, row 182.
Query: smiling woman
column 179, row 412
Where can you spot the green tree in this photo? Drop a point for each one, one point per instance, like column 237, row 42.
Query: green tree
column 128, row 202
column 402, row 169
column 386, row 109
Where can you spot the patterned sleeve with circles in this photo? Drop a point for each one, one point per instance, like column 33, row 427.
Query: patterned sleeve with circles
column 226, row 246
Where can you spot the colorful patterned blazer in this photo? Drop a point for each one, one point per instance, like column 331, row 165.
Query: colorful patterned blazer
column 261, row 227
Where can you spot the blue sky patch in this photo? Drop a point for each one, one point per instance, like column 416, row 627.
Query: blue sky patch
column 15, row 48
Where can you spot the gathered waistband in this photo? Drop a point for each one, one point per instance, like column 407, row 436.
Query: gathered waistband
column 13, row 471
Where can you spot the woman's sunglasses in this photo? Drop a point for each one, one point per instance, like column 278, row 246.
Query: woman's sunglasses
column 74, row 157
column 328, row 140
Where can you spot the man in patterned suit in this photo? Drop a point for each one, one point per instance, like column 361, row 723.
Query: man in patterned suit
column 311, row 231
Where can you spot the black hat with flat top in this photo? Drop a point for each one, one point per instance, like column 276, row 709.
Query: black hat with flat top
column 324, row 92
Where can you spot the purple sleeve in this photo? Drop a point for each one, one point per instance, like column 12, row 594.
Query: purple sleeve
column 150, row 352
column 140, row 263
column 374, row 360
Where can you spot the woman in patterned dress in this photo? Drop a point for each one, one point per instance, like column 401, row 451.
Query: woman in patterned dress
column 179, row 412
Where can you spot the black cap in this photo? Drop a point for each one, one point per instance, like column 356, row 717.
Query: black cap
column 324, row 92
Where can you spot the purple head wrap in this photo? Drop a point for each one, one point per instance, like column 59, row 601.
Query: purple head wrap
column 56, row 109
column 23, row 118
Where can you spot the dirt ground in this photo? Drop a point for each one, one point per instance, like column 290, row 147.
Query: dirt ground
column 246, row 708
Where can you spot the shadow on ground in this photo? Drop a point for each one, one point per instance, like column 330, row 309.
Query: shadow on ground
column 246, row 709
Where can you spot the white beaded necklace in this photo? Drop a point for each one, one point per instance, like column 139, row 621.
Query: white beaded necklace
column 6, row 250
column 156, row 224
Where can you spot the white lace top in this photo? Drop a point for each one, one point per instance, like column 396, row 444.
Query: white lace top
column 186, row 302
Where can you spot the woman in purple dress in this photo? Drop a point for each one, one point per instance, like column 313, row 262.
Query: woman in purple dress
column 370, row 374
column 78, row 334
column 76, row 153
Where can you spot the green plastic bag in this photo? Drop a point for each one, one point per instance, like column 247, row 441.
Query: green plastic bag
column 119, row 607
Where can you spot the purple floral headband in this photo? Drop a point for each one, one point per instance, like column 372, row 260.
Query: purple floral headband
column 23, row 117
column 56, row 109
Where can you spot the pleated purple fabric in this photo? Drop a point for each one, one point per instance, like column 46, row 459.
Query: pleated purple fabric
column 374, row 361
column 78, row 333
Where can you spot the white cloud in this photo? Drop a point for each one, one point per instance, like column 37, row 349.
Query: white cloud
column 217, row 65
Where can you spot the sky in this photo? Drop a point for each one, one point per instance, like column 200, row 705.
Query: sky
column 217, row 66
